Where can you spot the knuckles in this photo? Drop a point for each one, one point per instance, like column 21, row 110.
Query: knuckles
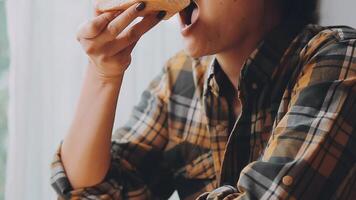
column 92, row 28
column 133, row 35
column 131, row 13
column 126, row 61
column 112, row 29
column 101, row 50
column 88, row 30
column 89, row 47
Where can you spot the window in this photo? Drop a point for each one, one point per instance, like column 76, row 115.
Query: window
column 4, row 66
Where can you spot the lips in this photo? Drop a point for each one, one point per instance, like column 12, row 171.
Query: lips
column 189, row 15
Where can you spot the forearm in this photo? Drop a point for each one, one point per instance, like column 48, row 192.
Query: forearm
column 86, row 148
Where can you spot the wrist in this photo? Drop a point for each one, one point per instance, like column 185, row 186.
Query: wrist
column 98, row 75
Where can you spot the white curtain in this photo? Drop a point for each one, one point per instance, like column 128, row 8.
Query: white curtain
column 47, row 67
column 340, row 12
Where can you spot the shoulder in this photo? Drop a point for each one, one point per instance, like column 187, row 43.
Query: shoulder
column 328, row 39
column 325, row 76
column 329, row 54
column 338, row 33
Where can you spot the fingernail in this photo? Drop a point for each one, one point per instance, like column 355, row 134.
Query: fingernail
column 140, row 6
column 161, row 14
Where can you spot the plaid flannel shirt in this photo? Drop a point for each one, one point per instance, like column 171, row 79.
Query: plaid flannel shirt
column 295, row 137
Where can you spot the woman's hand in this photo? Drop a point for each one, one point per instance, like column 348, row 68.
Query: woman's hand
column 109, row 43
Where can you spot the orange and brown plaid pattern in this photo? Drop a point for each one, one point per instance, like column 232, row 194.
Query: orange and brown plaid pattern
column 295, row 137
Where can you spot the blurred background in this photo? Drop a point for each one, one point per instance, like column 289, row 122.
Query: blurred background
column 41, row 69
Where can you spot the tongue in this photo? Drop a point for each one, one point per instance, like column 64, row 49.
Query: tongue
column 195, row 15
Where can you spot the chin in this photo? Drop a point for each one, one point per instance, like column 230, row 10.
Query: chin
column 195, row 46
column 198, row 40
column 196, row 50
column 195, row 53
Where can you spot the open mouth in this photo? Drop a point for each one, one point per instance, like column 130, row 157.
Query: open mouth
column 190, row 14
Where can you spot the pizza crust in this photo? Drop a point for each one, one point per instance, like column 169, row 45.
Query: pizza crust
column 170, row 6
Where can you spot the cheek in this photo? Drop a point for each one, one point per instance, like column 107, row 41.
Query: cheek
column 223, row 18
column 231, row 26
column 219, row 27
column 210, row 37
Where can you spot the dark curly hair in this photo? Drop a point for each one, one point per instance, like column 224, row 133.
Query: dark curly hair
column 300, row 12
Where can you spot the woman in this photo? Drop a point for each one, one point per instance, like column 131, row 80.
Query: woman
column 259, row 106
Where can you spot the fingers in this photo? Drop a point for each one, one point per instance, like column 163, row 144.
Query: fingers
column 107, row 39
column 94, row 27
column 133, row 34
column 96, row 12
column 130, row 48
column 124, row 57
column 136, row 31
column 113, row 46
column 117, row 25
column 116, row 64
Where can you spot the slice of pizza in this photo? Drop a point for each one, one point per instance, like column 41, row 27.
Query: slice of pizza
column 170, row 6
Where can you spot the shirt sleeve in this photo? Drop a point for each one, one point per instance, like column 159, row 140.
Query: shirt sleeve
column 312, row 150
column 137, row 169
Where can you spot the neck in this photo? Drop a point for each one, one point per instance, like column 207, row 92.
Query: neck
column 232, row 59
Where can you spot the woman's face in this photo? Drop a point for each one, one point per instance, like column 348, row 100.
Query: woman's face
column 212, row 26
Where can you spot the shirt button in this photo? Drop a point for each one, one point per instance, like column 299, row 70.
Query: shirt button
column 254, row 86
column 287, row 180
